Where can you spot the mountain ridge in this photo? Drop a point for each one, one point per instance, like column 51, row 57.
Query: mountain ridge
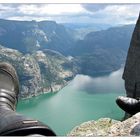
column 56, row 56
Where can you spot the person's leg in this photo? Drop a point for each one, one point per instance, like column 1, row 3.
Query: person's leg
column 130, row 92
column 137, row 91
column 131, row 103
column 12, row 123
column 130, row 88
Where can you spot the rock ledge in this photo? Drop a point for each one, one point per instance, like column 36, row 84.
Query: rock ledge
column 109, row 127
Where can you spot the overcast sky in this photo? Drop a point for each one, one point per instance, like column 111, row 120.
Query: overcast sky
column 112, row 14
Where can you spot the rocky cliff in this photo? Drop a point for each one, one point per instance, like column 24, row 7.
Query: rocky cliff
column 47, row 55
column 30, row 36
column 97, row 52
column 109, row 127
column 39, row 72
column 102, row 51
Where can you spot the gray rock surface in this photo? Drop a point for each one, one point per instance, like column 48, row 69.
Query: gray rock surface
column 129, row 127
column 109, row 127
column 93, row 128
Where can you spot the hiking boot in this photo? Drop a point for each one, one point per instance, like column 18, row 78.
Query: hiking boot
column 129, row 105
column 9, row 86
column 12, row 123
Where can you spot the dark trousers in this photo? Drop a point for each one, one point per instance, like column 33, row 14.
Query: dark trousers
column 132, row 89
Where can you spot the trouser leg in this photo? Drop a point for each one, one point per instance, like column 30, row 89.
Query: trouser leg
column 130, row 89
column 130, row 92
column 137, row 90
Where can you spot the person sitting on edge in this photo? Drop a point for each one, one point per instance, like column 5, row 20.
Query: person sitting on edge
column 12, row 123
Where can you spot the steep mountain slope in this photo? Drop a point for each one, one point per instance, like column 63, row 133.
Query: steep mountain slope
column 80, row 30
column 103, row 51
column 43, row 71
column 38, row 50
column 30, row 36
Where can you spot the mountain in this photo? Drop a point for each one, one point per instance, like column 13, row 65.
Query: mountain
column 48, row 55
column 80, row 30
column 42, row 71
column 30, row 36
column 102, row 51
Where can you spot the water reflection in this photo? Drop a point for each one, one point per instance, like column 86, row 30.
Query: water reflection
column 112, row 83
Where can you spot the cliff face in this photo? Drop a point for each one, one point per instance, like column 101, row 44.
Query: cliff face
column 96, row 53
column 102, row 51
column 42, row 71
column 109, row 127
column 30, row 36
column 55, row 69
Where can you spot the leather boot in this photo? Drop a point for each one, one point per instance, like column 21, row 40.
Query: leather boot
column 129, row 105
column 12, row 123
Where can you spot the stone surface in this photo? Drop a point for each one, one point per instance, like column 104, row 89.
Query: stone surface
column 128, row 127
column 109, row 127
column 93, row 128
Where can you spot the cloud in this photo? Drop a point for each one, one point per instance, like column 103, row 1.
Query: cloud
column 112, row 14
column 112, row 83
column 51, row 9
column 42, row 10
column 58, row 12
column 94, row 7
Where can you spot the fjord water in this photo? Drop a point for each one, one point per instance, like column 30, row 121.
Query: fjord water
column 85, row 98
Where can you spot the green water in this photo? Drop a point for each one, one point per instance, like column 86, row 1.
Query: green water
column 70, row 107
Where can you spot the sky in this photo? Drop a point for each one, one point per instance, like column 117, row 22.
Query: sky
column 112, row 14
